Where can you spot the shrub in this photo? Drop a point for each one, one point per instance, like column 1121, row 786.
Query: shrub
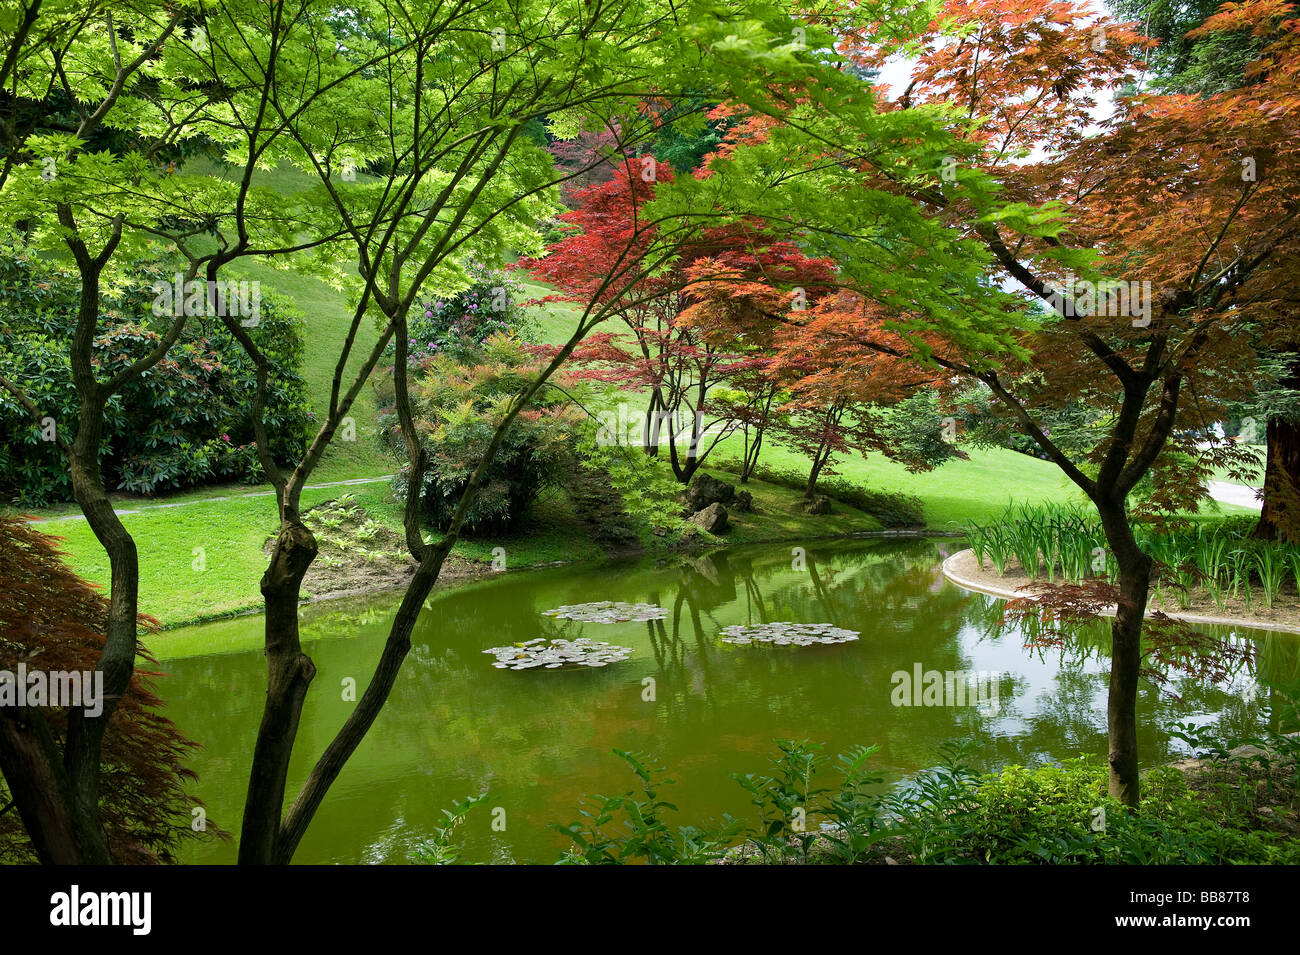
column 646, row 488
column 459, row 324
column 1056, row 814
column 891, row 508
column 456, row 408
column 1062, row 814
column 186, row 421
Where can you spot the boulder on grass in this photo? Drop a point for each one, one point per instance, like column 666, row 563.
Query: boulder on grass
column 712, row 518
column 818, row 504
column 705, row 490
column 743, row 501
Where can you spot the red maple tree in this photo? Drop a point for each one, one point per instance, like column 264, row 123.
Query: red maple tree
column 705, row 321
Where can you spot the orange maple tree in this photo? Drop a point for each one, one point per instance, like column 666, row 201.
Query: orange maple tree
column 1176, row 255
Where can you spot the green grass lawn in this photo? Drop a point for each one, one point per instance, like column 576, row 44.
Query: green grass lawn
column 777, row 516
column 555, row 321
column 177, row 587
column 327, row 319
column 230, row 533
column 976, row 489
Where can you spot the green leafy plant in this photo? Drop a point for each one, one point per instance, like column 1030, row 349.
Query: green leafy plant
column 457, row 408
column 439, row 848
column 618, row 829
column 187, row 422
column 786, row 799
column 854, row 808
column 646, row 488
column 951, row 814
column 1218, row 557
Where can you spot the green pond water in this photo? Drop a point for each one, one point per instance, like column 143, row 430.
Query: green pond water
column 540, row 740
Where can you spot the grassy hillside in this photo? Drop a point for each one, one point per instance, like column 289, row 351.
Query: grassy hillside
column 327, row 319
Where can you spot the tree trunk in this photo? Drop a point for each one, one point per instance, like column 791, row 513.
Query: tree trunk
column 1126, row 651
column 82, row 748
column 752, row 452
column 289, row 673
column 683, row 471
column 85, row 737
column 368, row 708
column 42, row 794
column 819, row 461
column 1279, row 520
column 751, row 456
column 653, row 422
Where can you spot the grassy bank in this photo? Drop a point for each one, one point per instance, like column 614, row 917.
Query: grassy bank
column 202, row 559
column 201, row 553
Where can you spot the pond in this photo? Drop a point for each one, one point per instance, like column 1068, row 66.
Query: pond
column 539, row 740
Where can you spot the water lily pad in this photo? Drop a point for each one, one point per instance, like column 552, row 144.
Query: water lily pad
column 784, row 634
column 608, row 611
column 558, row 654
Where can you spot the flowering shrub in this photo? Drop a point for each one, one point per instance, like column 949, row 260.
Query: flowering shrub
column 458, row 324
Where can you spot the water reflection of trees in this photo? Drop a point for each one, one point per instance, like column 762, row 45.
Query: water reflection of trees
column 885, row 589
column 1257, row 668
column 889, row 581
column 541, row 740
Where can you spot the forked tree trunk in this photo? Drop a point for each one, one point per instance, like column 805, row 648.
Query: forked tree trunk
column 43, row 798
column 819, row 461
column 752, row 451
column 684, row 467
column 683, row 470
column 289, row 674
column 372, row 701
column 653, row 422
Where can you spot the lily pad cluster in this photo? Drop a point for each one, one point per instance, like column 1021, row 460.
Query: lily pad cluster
column 786, row 634
column 608, row 611
column 555, row 654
